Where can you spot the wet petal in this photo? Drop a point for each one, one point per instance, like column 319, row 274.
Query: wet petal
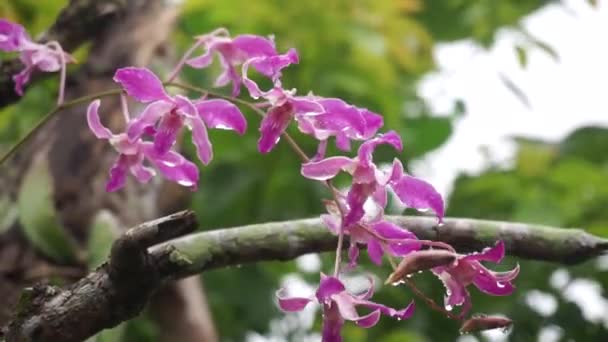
column 327, row 168
column 221, row 114
column 389, row 230
column 98, row 129
column 486, row 282
column 173, row 166
column 141, row 84
column 492, row 254
column 373, row 122
column 272, row 126
column 418, row 194
column 456, row 293
column 404, row 313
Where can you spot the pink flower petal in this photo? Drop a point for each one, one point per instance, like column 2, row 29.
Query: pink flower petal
column 98, row 129
column 273, row 125
column 418, row 194
column 118, row 174
column 141, row 84
column 204, row 151
column 327, row 168
column 166, row 132
column 12, row 36
column 221, row 114
column 368, row 320
column 492, row 254
column 328, row 287
column 367, row 148
column 292, row 304
column 374, row 249
column 148, row 118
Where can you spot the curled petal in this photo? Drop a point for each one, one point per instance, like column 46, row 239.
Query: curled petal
column 370, row 290
column 98, row 129
column 141, row 84
column 456, row 292
column 291, row 304
column 204, row 151
column 367, row 148
column 373, row 122
column 506, row 276
column 142, row 174
column 368, row 320
column 390, row 230
column 221, row 114
column 272, row 126
column 418, row 194
column 404, row 313
column 486, row 282
column 327, row 168
column 254, row 46
column 147, row 119
column 201, row 61
column 492, row 254
column 271, row 66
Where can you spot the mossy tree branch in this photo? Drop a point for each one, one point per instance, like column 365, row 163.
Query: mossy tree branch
column 142, row 260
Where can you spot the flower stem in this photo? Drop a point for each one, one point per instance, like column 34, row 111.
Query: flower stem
column 48, row 116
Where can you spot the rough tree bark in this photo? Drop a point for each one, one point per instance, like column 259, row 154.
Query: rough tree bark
column 122, row 32
column 142, row 259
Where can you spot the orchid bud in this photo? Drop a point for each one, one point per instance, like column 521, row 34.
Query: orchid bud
column 420, row 261
column 480, row 323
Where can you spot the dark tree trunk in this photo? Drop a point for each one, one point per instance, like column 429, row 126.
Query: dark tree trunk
column 78, row 165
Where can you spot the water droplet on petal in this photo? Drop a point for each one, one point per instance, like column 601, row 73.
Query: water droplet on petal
column 500, row 285
column 448, row 308
column 397, row 283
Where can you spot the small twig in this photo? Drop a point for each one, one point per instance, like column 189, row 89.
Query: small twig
column 48, row 116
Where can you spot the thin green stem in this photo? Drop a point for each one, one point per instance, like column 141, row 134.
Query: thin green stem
column 48, row 116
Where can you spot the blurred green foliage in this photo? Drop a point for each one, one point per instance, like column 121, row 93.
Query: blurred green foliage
column 370, row 53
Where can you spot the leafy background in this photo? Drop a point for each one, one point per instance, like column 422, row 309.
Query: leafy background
column 373, row 54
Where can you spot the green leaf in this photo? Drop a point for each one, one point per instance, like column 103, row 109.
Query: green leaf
column 424, row 134
column 38, row 216
column 104, row 230
column 522, row 56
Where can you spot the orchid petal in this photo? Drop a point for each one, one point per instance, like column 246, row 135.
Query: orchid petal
column 148, row 118
column 118, row 174
column 166, row 133
column 204, row 151
column 486, row 282
column 418, row 194
column 493, row 254
column 292, row 304
column 141, row 84
column 273, row 125
column 98, row 129
column 368, row 320
column 374, row 249
column 221, row 114
column 12, row 35
column 327, row 168
column 328, row 287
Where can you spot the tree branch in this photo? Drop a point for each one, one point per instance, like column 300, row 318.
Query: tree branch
column 119, row 289
column 78, row 22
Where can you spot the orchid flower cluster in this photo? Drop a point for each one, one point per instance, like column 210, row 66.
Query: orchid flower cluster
column 148, row 145
column 48, row 57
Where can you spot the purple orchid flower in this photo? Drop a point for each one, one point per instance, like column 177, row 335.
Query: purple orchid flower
column 467, row 270
column 172, row 165
column 167, row 115
column 377, row 234
column 257, row 51
column 317, row 116
column 340, row 306
column 370, row 182
column 48, row 57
